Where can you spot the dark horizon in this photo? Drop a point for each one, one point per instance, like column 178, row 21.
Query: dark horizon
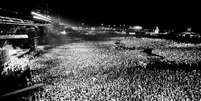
column 165, row 14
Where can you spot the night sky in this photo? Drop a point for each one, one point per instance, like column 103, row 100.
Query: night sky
column 165, row 13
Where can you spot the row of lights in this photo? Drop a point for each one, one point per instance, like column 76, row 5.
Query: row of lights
column 121, row 25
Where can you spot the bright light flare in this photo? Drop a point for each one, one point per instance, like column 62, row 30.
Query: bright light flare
column 37, row 15
column 39, row 18
column 136, row 27
column 63, row 32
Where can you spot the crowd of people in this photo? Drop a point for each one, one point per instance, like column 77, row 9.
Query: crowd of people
column 97, row 71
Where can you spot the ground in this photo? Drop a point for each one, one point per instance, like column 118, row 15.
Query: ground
column 96, row 71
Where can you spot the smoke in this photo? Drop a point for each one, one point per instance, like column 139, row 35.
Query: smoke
column 54, row 34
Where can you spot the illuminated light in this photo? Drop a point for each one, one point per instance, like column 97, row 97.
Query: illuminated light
column 132, row 33
column 13, row 36
column 63, row 32
column 37, row 14
column 136, row 27
column 40, row 15
column 39, row 18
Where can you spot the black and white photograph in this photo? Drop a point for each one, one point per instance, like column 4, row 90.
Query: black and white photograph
column 100, row 50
